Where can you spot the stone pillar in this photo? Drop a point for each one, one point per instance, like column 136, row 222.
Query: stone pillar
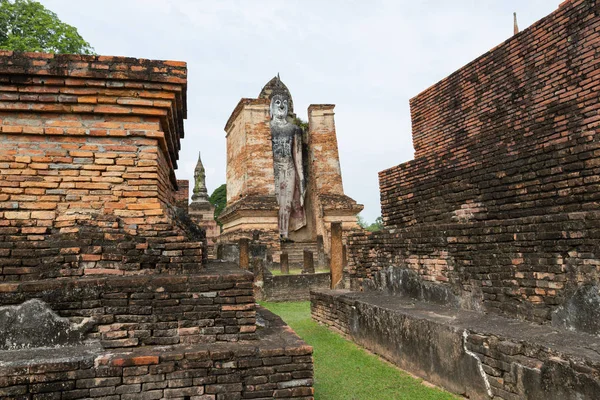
column 309, row 263
column 344, row 256
column 337, row 250
column 259, row 277
column 285, row 266
column 244, row 254
column 321, row 258
column 325, row 160
column 219, row 251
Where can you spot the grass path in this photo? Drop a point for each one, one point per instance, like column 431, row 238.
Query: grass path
column 345, row 371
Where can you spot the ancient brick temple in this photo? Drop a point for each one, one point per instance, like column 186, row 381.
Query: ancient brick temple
column 485, row 279
column 251, row 199
column 103, row 293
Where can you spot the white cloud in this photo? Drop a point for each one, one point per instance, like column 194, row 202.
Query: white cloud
column 369, row 58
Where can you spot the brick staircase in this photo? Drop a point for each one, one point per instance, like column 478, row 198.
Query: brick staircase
column 295, row 251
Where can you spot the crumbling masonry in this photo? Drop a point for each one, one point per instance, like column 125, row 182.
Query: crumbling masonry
column 103, row 293
column 486, row 277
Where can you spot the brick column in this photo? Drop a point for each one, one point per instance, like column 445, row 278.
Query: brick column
column 321, row 258
column 259, row 277
column 309, row 262
column 337, row 247
column 244, row 254
column 285, row 266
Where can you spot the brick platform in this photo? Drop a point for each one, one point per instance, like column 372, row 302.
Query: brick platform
column 103, row 290
column 214, row 305
column 278, row 365
column 469, row 353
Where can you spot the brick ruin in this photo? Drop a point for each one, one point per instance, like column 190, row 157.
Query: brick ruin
column 103, row 289
column 252, row 207
column 494, row 224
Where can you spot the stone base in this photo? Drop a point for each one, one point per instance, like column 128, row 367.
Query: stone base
column 215, row 304
column 476, row 355
column 293, row 287
column 295, row 252
column 269, row 238
column 278, row 365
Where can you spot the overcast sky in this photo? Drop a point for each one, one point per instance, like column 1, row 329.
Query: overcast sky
column 367, row 57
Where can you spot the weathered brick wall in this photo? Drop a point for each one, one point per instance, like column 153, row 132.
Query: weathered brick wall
column 468, row 353
column 500, row 204
column 88, row 148
column 276, row 369
column 182, row 196
column 150, row 310
column 293, row 287
column 249, row 151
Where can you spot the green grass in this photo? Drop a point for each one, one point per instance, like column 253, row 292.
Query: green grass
column 345, row 371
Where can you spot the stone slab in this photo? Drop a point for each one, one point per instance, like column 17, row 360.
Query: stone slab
column 279, row 364
column 467, row 352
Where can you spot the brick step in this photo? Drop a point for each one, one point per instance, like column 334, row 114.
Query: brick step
column 295, row 251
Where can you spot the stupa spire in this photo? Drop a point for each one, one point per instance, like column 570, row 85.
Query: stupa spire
column 200, row 194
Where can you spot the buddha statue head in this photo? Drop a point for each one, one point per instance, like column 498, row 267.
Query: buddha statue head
column 279, row 107
column 279, row 102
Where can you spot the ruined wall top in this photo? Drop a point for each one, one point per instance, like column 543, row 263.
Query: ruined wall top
column 102, row 85
column 90, row 66
column 489, row 93
column 245, row 102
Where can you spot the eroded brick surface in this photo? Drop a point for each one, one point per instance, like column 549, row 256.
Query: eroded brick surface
column 279, row 366
column 469, row 353
column 500, row 204
column 88, row 148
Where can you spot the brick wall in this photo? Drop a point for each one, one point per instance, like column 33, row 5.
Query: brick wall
column 135, row 311
column 88, row 148
column 182, row 196
column 293, row 287
column 500, row 204
column 278, row 368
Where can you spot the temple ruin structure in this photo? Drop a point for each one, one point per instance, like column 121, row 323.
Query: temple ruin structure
column 103, row 292
column 255, row 181
column 486, row 278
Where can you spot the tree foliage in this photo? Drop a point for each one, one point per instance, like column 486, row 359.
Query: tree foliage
column 374, row 227
column 26, row 25
column 301, row 123
column 218, row 198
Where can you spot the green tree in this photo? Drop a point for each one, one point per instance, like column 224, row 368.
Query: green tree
column 26, row 25
column 361, row 222
column 301, row 123
column 374, row 227
column 218, row 198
